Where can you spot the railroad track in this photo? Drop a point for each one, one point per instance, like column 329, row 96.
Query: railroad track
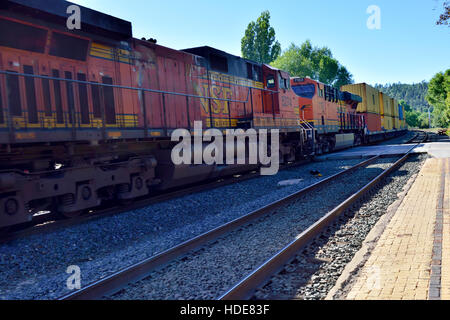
column 119, row 280
column 259, row 277
column 420, row 137
column 244, row 289
column 51, row 222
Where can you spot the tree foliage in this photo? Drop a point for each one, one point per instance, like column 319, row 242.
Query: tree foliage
column 314, row 62
column 343, row 77
column 417, row 119
column 413, row 94
column 417, row 98
column 414, row 118
column 445, row 17
column 439, row 97
column 259, row 43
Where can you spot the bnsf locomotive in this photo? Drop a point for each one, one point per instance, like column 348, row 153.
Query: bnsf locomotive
column 86, row 115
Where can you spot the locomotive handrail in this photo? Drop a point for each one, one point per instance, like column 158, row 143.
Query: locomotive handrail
column 135, row 88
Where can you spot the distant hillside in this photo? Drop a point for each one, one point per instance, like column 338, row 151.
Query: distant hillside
column 413, row 94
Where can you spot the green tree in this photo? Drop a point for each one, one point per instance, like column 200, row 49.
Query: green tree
column 314, row 62
column 405, row 106
column 295, row 60
column 412, row 118
column 423, row 121
column 258, row 43
column 343, row 77
column 439, row 97
column 328, row 69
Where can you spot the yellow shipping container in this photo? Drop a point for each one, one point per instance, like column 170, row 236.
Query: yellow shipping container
column 370, row 96
column 403, row 121
column 391, row 106
column 386, row 104
column 396, row 115
column 388, row 122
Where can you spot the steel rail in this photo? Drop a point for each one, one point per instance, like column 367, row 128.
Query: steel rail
column 247, row 286
column 118, row 280
column 425, row 138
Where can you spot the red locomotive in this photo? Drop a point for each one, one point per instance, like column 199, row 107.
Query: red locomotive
column 86, row 115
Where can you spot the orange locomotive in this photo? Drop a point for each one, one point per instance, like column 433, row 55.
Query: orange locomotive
column 332, row 114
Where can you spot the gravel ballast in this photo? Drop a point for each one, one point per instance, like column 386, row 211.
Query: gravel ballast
column 216, row 267
column 35, row 267
column 314, row 272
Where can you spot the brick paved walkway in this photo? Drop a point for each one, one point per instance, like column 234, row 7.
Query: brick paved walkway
column 411, row 260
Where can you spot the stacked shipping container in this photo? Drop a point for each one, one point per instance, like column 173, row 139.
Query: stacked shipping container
column 370, row 106
column 382, row 112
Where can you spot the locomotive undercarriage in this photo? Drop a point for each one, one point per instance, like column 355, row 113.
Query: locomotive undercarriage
column 72, row 178
column 326, row 143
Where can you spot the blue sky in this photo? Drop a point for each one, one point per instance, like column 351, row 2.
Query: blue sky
column 408, row 48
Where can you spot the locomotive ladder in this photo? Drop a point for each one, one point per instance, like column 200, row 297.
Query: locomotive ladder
column 307, row 130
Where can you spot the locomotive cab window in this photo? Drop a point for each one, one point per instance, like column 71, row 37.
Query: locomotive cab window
column 281, row 82
column 284, row 83
column 21, row 36
column 305, row 91
column 270, row 82
column 68, row 47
